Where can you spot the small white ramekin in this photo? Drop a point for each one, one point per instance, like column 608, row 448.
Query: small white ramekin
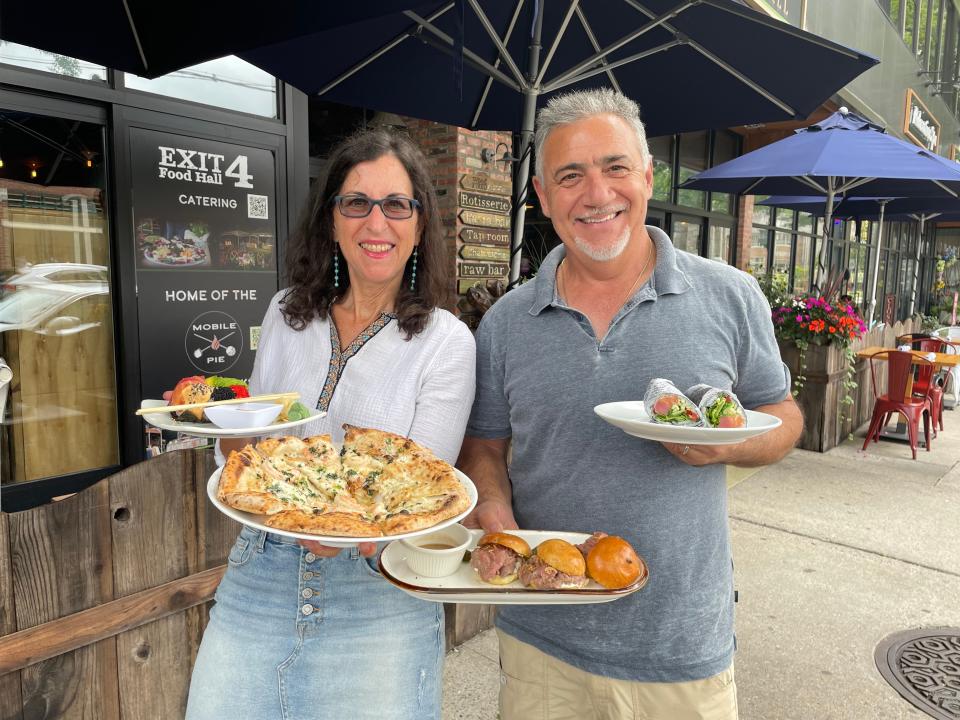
column 437, row 563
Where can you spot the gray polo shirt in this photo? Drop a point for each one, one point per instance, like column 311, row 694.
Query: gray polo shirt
column 541, row 371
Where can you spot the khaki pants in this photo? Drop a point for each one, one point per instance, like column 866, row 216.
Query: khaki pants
column 536, row 686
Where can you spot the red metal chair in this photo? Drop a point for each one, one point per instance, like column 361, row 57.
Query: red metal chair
column 927, row 383
column 899, row 373
column 912, row 338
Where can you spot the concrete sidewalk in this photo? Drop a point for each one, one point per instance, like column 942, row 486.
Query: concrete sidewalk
column 833, row 552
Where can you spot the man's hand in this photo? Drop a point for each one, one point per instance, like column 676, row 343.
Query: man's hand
column 698, row 455
column 764, row 449
column 367, row 549
column 492, row 516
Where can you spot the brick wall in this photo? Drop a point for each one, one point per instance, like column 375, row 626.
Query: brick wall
column 454, row 153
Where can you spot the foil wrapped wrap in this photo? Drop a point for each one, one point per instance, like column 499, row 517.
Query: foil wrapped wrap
column 666, row 404
column 719, row 408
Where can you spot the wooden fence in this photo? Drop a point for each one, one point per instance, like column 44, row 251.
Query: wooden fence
column 104, row 595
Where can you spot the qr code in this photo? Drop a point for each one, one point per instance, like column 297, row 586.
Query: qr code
column 254, row 337
column 258, row 207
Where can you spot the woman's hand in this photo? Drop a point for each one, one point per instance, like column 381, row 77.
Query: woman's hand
column 367, row 549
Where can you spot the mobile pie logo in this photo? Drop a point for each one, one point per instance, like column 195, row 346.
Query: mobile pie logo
column 214, row 342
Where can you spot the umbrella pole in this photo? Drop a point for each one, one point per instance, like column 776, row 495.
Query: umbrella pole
column 876, row 265
column 825, row 242
column 916, row 266
column 521, row 177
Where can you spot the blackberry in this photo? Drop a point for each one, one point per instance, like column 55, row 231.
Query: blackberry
column 223, row 393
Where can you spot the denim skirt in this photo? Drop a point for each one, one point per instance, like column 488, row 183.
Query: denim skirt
column 296, row 637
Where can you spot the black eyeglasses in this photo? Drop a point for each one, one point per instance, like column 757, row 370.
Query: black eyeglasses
column 395, row 207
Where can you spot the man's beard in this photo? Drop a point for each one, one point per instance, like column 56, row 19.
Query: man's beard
column 604, row 253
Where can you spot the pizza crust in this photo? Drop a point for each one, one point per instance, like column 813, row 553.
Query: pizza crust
column 331, row 523
column 382, row 484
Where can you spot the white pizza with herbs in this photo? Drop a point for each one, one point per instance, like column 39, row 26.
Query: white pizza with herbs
column 378, row 484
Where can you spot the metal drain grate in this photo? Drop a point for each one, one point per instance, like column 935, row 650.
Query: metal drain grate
column 923, row 665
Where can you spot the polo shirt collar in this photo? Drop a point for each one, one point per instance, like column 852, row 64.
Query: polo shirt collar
column 667, row 277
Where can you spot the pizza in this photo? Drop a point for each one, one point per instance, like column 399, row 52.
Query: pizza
column 377, row 484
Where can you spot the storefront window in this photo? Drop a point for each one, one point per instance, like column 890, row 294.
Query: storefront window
column 58, row 381
column 686, row 234
column 28, row 57
column 761, row 213
column 718, row 242
column 781, row 252
column 801, row 265
column 759, row 242
column 227, row 82
column 724, row 149
column 693, row 159
column 785, row 219
column 661, row 150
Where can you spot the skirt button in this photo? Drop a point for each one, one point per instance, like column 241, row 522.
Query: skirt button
column 307, row 609
column 307, row 593
column 310, row 557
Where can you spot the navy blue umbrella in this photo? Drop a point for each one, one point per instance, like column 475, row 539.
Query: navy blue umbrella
column 152, row 38
column 841, row 155
column 691, row 64
column 920, row 209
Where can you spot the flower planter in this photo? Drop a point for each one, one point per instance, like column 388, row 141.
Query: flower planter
column 821, row 394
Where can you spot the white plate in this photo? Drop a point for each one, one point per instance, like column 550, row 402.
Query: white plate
column 165, row 421
column 631, row 417
column 465, row 586
column 256, row 521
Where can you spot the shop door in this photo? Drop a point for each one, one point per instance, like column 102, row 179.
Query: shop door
column 58, row 389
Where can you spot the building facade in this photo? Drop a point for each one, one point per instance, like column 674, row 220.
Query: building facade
column 143, row 223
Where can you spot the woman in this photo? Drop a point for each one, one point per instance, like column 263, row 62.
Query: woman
column 307, row 631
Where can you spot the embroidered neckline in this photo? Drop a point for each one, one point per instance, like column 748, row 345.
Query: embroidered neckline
column 339, row 358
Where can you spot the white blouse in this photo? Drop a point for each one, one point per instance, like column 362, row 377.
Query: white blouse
column 422, row 388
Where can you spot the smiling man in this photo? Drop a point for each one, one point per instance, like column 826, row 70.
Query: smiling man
column 610, row 308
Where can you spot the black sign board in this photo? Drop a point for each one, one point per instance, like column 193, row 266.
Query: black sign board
column 205, row 232
column 477, row 201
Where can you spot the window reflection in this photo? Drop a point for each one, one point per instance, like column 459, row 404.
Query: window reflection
column 56, row 311
column 686, row 234
column 34, row 59
column 227, row 82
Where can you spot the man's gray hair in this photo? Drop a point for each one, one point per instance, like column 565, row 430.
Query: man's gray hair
column 570, row 107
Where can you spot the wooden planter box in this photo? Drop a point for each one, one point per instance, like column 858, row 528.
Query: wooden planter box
column 820, row 396
column 826, row 422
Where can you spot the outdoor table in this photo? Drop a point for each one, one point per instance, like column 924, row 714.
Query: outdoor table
column 940, row 360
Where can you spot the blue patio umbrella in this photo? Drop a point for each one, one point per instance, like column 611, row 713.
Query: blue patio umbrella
column 151, row 38
column 843, row 154
column 488, row 64
column 920, row 209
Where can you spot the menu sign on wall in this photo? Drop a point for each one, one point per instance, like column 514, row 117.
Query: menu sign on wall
column 919, row 124
column 205, row 233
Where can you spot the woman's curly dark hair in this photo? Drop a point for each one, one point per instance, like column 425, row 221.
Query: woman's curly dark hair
column 310, row 257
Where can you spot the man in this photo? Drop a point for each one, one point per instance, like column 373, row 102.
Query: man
column 614, row 306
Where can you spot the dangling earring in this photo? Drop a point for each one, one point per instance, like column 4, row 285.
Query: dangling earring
column 336, row 266
column 413, row 271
